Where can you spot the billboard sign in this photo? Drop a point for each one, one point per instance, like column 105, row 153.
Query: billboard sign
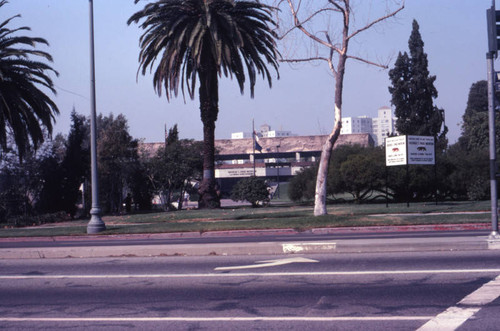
column 421, row 150
column 395, row 151
column 402, row 150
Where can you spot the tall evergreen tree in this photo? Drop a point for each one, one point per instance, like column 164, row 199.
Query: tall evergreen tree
column 469, row 156
column 413, row 92
column 51, row 176
column 76, row 163
column 475, row 119
column 118, row 160
column 173, row 136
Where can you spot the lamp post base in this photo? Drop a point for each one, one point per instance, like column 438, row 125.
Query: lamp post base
column 494, row 236
column 96, row 224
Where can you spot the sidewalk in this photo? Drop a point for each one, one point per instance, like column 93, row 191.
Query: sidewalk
column 370, row 245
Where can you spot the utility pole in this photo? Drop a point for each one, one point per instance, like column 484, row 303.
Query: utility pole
column 96, row 224
column 492, row 17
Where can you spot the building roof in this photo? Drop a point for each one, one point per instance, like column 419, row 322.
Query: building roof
column 149, row 149
column 292, row 144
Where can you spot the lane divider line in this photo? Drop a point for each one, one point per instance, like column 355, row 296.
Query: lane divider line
column 255, row 274
column 214, row 319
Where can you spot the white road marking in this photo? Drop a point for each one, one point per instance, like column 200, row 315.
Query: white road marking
column 484, row 295
column 270, row 263
column 312, row 246
column 454, row 317
column 449, row 320
column 255, row 274
column 213, row 319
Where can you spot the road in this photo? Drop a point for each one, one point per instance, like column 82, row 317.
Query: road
column 377, row 291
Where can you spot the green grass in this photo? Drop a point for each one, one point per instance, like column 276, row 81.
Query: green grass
column 280, row 216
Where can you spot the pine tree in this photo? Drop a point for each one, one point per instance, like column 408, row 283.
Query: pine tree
column 413, row 92
column 475, row 134
column 401, row 92
column 76, row 163
column 173, row 136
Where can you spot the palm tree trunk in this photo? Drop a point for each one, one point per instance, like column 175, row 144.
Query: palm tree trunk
column 209, row 108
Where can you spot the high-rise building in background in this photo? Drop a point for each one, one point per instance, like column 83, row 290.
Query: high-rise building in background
column 360, row 124
column 379, row 127
column 383, row 125
column 265, row 132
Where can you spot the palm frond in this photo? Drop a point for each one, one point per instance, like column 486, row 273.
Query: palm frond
column 25, row 110
column 183, row 37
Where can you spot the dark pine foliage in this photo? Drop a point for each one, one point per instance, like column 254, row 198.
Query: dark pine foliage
column 413, row 92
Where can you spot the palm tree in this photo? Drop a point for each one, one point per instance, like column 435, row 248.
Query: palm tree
column 25, row 110
column 203, row 39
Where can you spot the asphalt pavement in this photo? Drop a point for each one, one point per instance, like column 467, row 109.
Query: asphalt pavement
column 465, row 237
column 456, row 290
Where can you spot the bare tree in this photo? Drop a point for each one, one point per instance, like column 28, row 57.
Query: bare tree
column 330, row 46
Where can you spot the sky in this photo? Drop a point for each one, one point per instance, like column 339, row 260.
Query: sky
column 301, row 101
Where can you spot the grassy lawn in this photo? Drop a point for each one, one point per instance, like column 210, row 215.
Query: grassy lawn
column 272, row 217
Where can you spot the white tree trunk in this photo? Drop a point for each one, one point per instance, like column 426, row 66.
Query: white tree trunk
column 324, row 163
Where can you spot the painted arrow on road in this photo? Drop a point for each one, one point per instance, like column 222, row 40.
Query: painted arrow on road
column 267, row 264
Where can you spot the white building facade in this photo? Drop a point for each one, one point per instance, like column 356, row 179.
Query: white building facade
column 383, row 125
column 265, row 132
column 379, row 127
column 361, row 124
column 241, row 135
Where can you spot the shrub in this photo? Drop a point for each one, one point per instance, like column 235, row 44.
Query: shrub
column 302, row 186
column 29, row 220
column 251, row 189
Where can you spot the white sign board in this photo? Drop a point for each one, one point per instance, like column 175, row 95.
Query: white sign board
column 421, row 150
column 395, row 151
column 240, row 172
column 403, row 150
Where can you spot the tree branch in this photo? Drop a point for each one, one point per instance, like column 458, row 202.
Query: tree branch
column 343, row 10
column 330, row 60
column 383, row 66
column 378, row 20
column 317, row 58
column 299, row 26
column 306, row 20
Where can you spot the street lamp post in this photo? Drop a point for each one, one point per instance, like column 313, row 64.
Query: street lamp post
column 278, row 169
column 95, row 224
column 492, row 19
column 492, row 148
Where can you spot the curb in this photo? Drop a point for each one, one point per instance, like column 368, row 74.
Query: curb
column 372, row 245
column 263, row 233
column 259, row 248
